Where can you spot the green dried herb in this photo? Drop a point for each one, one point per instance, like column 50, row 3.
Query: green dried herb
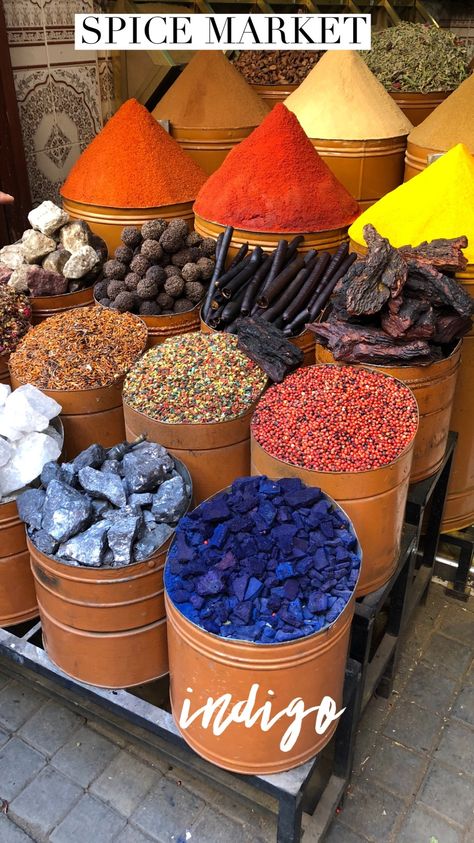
column 417, row 57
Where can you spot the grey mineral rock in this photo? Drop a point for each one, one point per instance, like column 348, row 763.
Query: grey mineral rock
column 146, row 466
column 169, row 503
column 47, row 217
column 111, row 467
column 143, row 499
column 103, row 486
column 93, row 456
column 80, row 262
column 87, row 548
column 121, row 536
column 56, row 260
column 151, row 541
column 44, row 542
column 74, row 235
column 66, row 511
column 30, row 507
column 36, row 245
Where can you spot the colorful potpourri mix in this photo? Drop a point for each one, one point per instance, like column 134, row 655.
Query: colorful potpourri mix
column 332, row 418
column 84, row 348
column 194, row 379
column 267, row 561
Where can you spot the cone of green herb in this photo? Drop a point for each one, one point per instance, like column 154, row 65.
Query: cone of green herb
column 417, row 57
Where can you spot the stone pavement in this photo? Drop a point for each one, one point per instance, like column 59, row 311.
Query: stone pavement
column 67, row 778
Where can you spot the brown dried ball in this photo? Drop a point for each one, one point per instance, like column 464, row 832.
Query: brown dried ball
column 194, row 291
column 140, row 264
column 123, row 254
column 131, row 281
column 208, row 247
column 191, row 272
column 174, row 238
column 147, row 289
column 149, row 308
column 152, row 250
column 193, row 239
column 174, row 286
column 171, row 270
column 184, row 256
column 125, row 301
column 131, row 236
column 182, row 305
column 153, row 229
column 100, row 289
column 165, row 301
column 115, row 269
column 156, row 274
column 115, row 287
column 206, row 267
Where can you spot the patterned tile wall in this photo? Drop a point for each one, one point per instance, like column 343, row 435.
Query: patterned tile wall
column 64, row 96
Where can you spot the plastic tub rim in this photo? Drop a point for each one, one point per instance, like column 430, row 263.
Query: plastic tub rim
column 370, row 471
column 240, row 641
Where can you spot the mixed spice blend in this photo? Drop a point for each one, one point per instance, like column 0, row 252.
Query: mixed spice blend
column 332, row 418
column 194, row 379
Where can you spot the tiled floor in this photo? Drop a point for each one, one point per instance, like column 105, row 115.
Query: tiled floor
column 71, row 779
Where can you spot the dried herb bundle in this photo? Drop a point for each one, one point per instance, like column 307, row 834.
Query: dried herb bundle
column 417, row 57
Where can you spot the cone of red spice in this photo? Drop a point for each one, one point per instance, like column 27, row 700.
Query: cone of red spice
column 133, row 163
column 275, row 181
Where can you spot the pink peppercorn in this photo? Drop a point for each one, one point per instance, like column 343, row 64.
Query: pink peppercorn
column 336, row 418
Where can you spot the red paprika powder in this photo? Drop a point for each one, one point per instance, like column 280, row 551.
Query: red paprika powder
column 133, row 163
column 275, row 181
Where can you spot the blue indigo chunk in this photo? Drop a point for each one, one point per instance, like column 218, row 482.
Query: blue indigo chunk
column 267, row 561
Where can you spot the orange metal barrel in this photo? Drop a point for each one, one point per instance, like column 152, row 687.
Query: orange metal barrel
column 310, row 668
column 4, row 370
column 433, row 387
column 109, row 222
column 327, row 241
column 17, row 591
column 416, row 159
column 215, row 454
column 44, row 306
column 459, row 507
column 417, row 106
column 271, row 94
column 209, row 147
column 368, row 169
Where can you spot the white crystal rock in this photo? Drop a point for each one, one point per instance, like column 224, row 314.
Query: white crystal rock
column 4, row 393
column 12, row 256
column 26, row 410
column 6, row 452
column 19, row 277
column 47, row 217
column 30, row 454
column 36, row 245
column 81, row 262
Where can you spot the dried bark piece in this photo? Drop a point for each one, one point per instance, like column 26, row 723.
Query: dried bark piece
column 445, row 254
column 426, row 283
column 380, row 276
column 450, row 326
column 363, row 344
column 408, row 317
column 267, row 346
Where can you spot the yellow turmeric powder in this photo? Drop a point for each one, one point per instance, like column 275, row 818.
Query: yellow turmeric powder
column 438, row 202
